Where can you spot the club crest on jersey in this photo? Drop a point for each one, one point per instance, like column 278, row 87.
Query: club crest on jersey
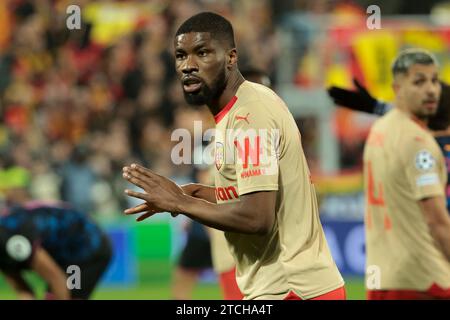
column 219, row 155
column 424, row 160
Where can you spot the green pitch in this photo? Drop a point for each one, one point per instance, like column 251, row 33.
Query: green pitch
column 161, row 291
column 354, row 287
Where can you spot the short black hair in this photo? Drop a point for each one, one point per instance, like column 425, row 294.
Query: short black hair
column 411, row 56
column 219, row 27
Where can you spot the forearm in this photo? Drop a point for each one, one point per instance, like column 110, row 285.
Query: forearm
column 438, row 221
column 20, row 286
column 58, row 287
column 441, row 234
column 225, row 217
column 44, row 265
column 200, row 191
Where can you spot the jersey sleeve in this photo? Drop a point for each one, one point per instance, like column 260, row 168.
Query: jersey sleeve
column 256, row 146
column 17, row 247
column 16, row 251
column 423, row 164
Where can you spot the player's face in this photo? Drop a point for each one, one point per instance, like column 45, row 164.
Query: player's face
column 200, row 62
column 419, row 90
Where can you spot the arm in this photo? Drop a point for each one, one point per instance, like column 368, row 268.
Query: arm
column 44, row 265
column 200, row 191
column 253, row 214
column 438, row 221
column 359, row 100
column 18, row 283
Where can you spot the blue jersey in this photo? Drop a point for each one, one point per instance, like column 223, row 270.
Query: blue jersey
column 69, row 236
column 444, row 143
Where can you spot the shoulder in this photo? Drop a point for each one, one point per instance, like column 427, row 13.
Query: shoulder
column 260, row 102
column 402, row 130
column 418, row 145
column 250, row 93
column 413, row 134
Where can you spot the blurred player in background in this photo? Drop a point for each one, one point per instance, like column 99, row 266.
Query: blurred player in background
column 268, row 210
column 205, row 248
column 439, row 124
column 47, row 239
column 407, row 224
column 195, row 257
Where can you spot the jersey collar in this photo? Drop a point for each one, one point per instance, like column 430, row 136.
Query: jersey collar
column 225, row 110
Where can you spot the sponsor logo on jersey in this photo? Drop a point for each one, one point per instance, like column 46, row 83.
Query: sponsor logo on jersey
column 226, row 193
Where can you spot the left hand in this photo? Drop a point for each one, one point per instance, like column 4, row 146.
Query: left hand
column 160, row 193
column 359, row 99
column 25, row 296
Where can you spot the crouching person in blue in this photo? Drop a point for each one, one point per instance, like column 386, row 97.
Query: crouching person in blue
column 63, row 246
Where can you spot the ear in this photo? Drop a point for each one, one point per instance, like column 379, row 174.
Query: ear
column 396, row 84
column 232, row 58
column 395, row 87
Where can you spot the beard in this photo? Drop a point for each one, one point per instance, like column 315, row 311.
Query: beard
column 207, row 94
column 424, row 113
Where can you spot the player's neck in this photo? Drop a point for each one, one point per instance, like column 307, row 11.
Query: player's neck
column 232, row 86
column 420, row 121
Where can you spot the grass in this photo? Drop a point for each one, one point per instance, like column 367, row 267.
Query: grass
column 156, row 291
column 355, row 289
column 161, row 291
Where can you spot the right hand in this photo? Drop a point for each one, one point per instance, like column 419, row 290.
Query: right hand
column 25, row 296
column 149, row 209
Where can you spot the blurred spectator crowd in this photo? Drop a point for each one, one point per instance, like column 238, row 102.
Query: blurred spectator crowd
column 77, row 105
column 74, row 110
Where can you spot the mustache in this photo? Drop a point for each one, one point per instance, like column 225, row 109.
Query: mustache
column 189, row 79
column 430, row 100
